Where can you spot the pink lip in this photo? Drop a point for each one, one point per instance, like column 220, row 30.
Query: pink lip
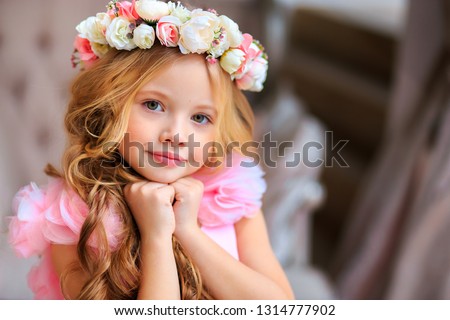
column 167, row 159
column 168, row 155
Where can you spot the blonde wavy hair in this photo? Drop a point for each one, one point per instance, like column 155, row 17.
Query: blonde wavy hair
column 96, row 121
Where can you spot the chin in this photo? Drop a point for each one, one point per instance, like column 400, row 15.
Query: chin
column 163, row 176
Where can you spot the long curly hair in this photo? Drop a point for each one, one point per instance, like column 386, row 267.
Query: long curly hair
column 95, row 122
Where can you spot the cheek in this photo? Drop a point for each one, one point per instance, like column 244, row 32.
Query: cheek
column 134, row 145
column 129, row 150
column 140, row 126
column 206, row 149
column 140, row 133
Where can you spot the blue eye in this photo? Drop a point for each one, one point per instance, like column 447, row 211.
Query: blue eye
column 153, row 105
column 200, row 118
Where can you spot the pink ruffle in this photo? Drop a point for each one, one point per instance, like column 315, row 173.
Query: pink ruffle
column 232, row 193
column 43, row 281
column 25, row 229
column 51, row 214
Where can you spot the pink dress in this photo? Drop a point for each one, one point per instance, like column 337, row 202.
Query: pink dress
column 55, row 214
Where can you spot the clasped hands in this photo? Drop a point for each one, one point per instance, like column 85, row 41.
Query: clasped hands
column 161, row 210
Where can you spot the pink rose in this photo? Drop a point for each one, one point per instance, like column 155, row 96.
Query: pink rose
column 83, row 46
column 245, row 82
column 250, row 52
column 127, row 10
column 167, row 31
column 253, row 71
column 255, row 75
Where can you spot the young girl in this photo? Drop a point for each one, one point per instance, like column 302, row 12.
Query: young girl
column 152, row 203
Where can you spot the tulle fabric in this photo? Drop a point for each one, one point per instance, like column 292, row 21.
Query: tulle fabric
column 51, row 214
column 43, row 281
column 231, row 192
column 55, row 214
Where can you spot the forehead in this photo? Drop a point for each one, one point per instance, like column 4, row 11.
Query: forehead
column 187, row 78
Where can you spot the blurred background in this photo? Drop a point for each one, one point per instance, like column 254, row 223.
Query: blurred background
column 372, row 73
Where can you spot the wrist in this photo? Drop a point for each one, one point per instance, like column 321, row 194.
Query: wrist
column 153, row 240
column 187, row 232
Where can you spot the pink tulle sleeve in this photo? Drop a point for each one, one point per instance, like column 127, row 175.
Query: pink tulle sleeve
column 51, row 214
column 232, row 193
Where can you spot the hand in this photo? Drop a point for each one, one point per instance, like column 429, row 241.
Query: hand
column 188, row 195
column 151, row 206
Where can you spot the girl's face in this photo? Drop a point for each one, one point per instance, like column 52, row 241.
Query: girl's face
column 172, row 122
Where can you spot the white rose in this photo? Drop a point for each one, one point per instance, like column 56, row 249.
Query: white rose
column 83, row 27
column 232, row 60
column 119, row 34
column 197, row 34
column 151, row 10
column 94, row 28
column 100, row 49
column 103, row 21
column 233, row 34
column 219, row 48
column 179, row 11
column 144, row 36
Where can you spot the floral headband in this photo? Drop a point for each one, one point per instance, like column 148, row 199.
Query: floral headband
column 129, row 25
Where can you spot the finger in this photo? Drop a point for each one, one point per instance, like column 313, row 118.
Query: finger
column 180, row 189
column 186, row 180
column 156, row 184
column 168, row 191
column 189, row 185
column 182, row 184
column 148, row 186
column 131, row 187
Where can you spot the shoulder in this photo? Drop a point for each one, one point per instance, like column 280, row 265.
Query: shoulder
column 52, row 213
column 44, row 214
column 232, row 192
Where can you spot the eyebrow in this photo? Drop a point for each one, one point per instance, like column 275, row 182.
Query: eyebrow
column 152, row 91
column 208, row 107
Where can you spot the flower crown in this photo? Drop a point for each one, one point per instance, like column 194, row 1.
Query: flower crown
column 129, row 25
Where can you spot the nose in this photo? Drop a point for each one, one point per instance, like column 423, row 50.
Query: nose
column 174, row 133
